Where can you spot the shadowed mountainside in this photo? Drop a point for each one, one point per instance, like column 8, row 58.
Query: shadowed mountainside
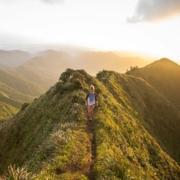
column 17, row 82
column 15, row 90
column 158, row 115
column 51, row 138
column 164, row 75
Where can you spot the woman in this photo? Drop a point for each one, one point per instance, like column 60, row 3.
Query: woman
column 91, row 101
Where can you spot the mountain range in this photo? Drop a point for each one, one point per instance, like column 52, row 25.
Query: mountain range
column 14, row 58
column 134, row 134
column 30, row 74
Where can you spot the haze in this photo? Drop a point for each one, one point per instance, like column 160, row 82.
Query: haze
column 144, row 26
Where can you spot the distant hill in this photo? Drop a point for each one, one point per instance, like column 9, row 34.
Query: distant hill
column 2, row 66
column 45, row 70
column 49, row 52
column 19, row 83
column 32, row 77
column 134, row 133
column 126, row 53
column 4, row 98
column 93, row 62
column 14, row 58
column 164, row 75
column 6, row 110
column 15, row 94
column 14, row 91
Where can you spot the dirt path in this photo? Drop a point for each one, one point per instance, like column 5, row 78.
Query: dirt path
column 90, row 129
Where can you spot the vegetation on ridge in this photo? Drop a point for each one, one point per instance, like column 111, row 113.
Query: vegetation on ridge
column 164, row 75
column 49, row 137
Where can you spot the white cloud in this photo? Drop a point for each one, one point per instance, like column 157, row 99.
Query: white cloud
column 155, row 10
column 52, row 1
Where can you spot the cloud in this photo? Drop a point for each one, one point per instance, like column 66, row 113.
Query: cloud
column 45, row 1
column 52, row 1
column 155, row 10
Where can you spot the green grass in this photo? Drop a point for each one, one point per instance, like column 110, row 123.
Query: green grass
column 49, row 137
column 7, row 111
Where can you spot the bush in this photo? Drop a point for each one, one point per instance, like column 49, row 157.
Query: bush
column 17, row 174
column 24, row 106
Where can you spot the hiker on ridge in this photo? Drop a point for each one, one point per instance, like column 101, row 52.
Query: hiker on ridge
column 91, row 102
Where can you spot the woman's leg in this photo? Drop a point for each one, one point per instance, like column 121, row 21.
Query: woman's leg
column 91, row 111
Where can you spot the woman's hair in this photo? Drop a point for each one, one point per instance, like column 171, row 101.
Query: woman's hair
column 92, row 87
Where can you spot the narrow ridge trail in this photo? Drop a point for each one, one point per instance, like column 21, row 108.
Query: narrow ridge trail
column 90, row 129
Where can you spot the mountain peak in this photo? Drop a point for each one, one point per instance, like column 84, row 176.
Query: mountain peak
column 164, row 62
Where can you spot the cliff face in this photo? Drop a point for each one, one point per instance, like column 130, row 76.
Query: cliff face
column 133, row 135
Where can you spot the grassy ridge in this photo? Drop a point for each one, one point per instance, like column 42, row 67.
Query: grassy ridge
column 15, row 90
column 158, row 115
column 4, row 98
column 164, row 75
column 14, row 94
column 19, row 83
column 49, row 136
column 7, row 111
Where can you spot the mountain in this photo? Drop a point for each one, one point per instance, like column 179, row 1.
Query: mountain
column 93, row 62
column 133, row 134
column 11, row 101
column 6, row 110
column 6, row 99
column 30, row 79
column 126, row 53
column 2, row 66
column 158, row 115
column 164, row 75
column 14, row 58
column 14, row 91
column 19, row 83
column 50, row 52
column 45, row 70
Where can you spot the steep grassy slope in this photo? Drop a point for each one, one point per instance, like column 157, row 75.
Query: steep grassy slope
column 4, row 98
column 58, row 132
column 52, row 138
column 20, row 84
column 14, row 91
column 14, row 94
column 7, row 111
column 8, row 107
column 164, row 75
column 160, row 118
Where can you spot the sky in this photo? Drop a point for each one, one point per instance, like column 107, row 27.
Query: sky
column 148, row 26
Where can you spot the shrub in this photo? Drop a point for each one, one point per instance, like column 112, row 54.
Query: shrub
column 17, row 174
